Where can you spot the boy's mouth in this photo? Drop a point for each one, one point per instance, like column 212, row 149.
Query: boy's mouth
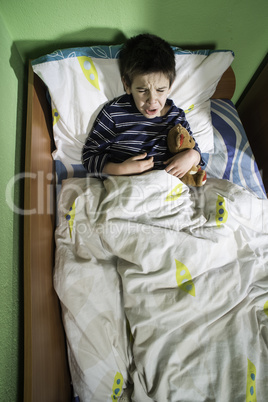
column 151, row 112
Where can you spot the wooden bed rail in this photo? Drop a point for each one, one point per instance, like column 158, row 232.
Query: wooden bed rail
column 46, row 375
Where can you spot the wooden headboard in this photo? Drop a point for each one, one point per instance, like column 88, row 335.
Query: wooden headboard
column 46, row 373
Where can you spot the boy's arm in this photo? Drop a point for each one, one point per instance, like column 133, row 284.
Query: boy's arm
column 95, row 151
column 182, row 162
column 183, row 121
column 134, row 165
column 95, row 154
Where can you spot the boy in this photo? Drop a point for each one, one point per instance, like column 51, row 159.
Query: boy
column 129, row 135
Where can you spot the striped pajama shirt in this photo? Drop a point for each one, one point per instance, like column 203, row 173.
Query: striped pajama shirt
column 121, row 131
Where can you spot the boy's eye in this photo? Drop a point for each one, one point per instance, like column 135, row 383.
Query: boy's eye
column 145, row 90
column 141, row 90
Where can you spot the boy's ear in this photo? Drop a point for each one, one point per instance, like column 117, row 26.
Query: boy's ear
column 126, row 87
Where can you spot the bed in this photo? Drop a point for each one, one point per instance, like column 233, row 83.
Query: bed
column 118, row 316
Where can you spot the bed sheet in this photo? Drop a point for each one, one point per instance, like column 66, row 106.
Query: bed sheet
column 164, row 288
column 232, row 158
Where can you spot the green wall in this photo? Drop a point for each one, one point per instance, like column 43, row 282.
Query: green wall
column 31, row 28
column 240, row 25
column 11, row 301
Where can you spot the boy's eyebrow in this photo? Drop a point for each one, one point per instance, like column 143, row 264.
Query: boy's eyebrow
column 141, row 87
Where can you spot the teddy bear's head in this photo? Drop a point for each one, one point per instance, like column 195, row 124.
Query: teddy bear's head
column 179, row 139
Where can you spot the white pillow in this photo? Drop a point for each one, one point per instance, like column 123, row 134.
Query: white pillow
column 81, row 80
column 197, row 76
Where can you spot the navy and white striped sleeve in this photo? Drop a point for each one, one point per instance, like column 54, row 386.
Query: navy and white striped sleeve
column 95, row 151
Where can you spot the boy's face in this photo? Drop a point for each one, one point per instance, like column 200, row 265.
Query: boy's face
column 150, row 92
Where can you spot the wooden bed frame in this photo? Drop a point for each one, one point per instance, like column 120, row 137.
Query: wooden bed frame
column 252, row 110
column 46, row 372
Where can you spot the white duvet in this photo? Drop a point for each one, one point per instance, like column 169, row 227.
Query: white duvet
column 164, row 289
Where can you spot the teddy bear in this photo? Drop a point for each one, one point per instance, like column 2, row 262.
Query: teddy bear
column 179, row 140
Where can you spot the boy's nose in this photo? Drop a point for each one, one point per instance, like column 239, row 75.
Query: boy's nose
column 151, row 97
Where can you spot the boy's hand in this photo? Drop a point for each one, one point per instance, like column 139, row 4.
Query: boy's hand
column 137, row 164
column 182, row 162
column 134, row 165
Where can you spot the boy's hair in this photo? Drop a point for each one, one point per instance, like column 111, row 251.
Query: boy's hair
column 146, row 54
